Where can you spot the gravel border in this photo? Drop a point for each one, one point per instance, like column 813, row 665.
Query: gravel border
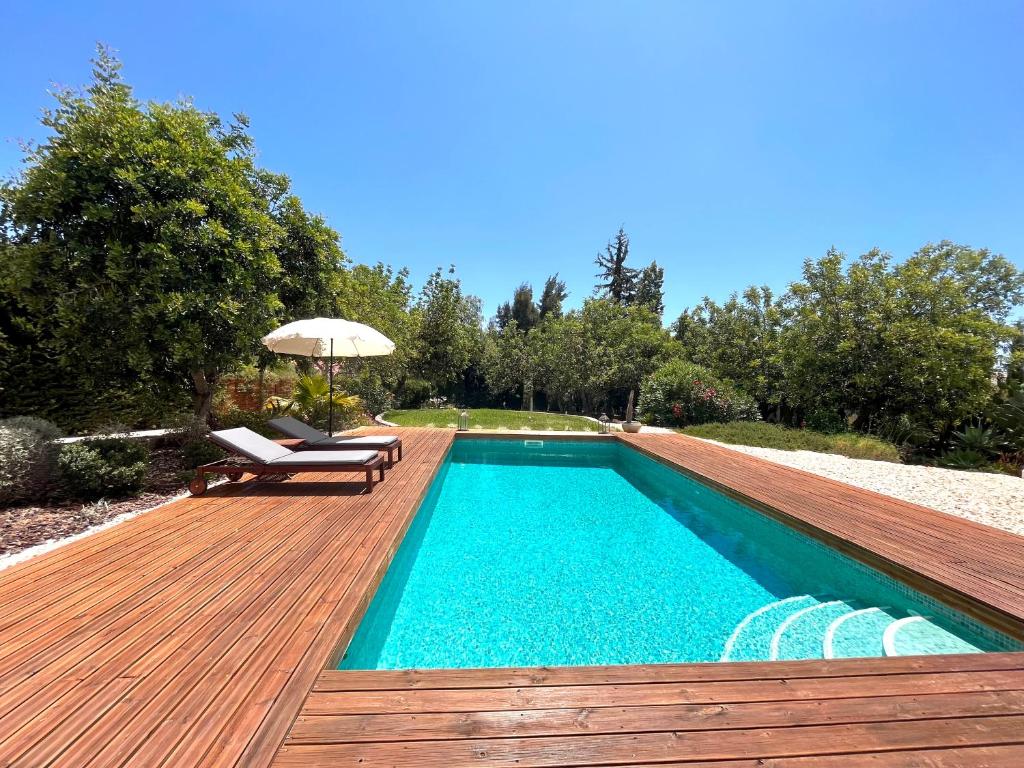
column 984, row 497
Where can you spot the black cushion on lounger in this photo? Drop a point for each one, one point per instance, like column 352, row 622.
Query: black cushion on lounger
column 299, row 430
column 292, row 427
column 357, row 440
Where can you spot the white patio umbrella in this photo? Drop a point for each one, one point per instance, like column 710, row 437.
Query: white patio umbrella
column 328, row 337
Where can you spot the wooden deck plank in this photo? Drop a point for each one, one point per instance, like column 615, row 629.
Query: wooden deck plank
column 195, row 661
column 956, row 757
column 333, row 729
column 593, row 696
column 414, row 679
column 615, row 749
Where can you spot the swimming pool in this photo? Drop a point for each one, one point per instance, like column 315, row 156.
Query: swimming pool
column 543, row 553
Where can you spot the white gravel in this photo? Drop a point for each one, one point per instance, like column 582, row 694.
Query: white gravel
column 992, row 499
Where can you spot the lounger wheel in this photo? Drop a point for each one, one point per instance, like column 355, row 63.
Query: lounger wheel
column 198, row 486
column 234, row 477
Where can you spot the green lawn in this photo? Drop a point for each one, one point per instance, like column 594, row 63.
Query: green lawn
column 490, row 418
column 764, row 435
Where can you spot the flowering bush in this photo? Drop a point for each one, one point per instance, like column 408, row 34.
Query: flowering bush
column 681, row 393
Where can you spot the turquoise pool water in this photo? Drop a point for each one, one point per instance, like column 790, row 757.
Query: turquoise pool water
column 571, row 553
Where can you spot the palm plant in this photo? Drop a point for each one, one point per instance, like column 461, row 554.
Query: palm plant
column 310, row 400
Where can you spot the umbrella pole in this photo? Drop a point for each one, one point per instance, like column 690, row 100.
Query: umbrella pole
column 330, row 394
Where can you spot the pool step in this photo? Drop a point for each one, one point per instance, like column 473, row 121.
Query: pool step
column 825, row 627
column 750, row 640
column 915, row 635
column 800, row 635
column 858, row 633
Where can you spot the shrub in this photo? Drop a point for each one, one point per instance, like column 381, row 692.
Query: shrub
column 762, row 435
column 103, row 467
column 964, row 458
column 189, row 436
column 681, row 393
column 413, row 393
column 1008, row 418
column 199, row 452
column 311, row 402
column 27, row 458
column 375, row 396
column 826, row 421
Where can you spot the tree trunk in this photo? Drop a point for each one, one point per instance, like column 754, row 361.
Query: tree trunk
column 205, row 384
column 527, row 396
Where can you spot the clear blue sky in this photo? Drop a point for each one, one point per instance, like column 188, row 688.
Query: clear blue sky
column 733, row 140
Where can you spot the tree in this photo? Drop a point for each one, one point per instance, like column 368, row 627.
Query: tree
column 510, row 363
column 380, row 297
column 740, row 341
column 524, row 311
column 650, row 289
column 311, row 261
column 504, row 315
column 917, row 340
column 449, row 331
column 142, row 240
column 618, row 281
column 567, row 363
column 628, row 340
column 552, row 297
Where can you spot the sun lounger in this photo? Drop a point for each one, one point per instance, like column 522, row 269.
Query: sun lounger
column 265, row 457
column 317, row 440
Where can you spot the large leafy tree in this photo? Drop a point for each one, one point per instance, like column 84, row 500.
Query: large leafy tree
column 629, row 341
column 142, row 239
column 380, row 297
column 919, row 339
column 568, row 363
column 593, row 357
column 311, row 260
column 148, row 254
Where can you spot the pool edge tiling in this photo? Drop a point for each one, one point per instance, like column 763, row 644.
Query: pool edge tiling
column 197, row 633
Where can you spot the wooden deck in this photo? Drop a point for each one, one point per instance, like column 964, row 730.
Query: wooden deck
column 197, row 634
column 191, row 635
